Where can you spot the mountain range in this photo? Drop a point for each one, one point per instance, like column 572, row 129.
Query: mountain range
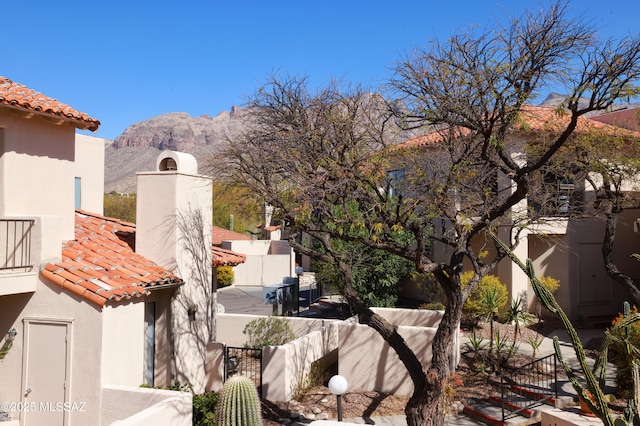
column 138, row 147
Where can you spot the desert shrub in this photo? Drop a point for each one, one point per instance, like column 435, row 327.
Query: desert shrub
column 224, row 276
column 431, row 291
column 120, row 206
column 622, row 358
column 490, row 293
column 271, row 331
column 432, row 306
column 318, row 375
column 550, row 283
column 204, row 409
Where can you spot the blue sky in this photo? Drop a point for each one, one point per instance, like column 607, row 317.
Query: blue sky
column 122, row 62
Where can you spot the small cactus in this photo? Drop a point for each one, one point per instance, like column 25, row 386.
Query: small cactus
column 238, row 403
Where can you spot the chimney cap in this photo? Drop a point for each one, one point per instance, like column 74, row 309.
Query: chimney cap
column 176, row 161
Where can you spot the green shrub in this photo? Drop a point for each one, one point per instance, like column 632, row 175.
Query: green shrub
column 491, row 293
column 271, row 331
column 204, row 409
column 431, row 291
column 224, row 276
column 432, row 306
column 120, row 206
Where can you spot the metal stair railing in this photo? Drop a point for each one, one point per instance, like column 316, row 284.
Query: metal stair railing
column 532, row 381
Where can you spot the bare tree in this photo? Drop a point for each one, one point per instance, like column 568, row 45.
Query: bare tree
column 329, row 162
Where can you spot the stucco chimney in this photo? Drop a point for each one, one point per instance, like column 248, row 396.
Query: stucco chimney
column 173, row 229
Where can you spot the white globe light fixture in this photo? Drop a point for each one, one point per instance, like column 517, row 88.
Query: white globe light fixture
column 338, row 386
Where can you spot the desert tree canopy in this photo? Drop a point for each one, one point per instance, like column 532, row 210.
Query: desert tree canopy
column 336, row 164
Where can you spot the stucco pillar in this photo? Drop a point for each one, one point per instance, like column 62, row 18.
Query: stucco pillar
column 509, row 273
column 174, row 230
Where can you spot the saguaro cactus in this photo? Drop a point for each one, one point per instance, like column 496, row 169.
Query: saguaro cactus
column 238, row 403
column 597, row 402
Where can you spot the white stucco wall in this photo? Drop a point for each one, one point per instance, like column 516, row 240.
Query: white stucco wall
column 231, row 326
column 37, row 168
column 123, row 344
column 89, row 167
column 368, row 362
column 285, row 368
column 48, row 302
column 267, row 262
column 125, row 406
column 173, row 229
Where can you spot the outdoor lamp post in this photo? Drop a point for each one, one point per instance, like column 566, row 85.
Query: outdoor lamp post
column 338, row 386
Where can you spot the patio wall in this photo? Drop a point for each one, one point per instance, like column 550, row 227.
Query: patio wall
column 230, row 327
column 413, row 317
column 215, row 366
column 285, row 368
column 364, row 359
column 267, row 262
column 134, row 406
column 370, row 364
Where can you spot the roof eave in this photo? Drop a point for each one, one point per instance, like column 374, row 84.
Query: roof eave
column 58, row 119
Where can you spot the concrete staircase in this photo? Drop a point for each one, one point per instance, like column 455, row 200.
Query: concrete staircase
column 489, row 411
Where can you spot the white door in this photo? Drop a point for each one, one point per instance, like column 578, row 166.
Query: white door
column 595, row 286
column 46, row 372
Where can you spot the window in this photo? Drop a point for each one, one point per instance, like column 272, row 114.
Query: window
column 395, row 182
column 78, row 192
column 556, row 195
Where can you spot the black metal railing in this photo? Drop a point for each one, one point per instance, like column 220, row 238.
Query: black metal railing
column 244, row 362
column 15, row 244
column 532, row 384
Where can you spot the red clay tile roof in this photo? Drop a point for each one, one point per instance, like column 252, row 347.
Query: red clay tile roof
column 100, row 266
column 532, row 119
column 223, row 257
column 218, row 235
column 20, row 96
column 627, row 118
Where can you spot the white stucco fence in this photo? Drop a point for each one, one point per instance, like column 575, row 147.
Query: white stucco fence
column 230, row 327
column 268, row 262
column 286, row 368
column 128, row 406
column 366, row 361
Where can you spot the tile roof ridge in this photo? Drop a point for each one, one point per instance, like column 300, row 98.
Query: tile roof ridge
column 105, row 218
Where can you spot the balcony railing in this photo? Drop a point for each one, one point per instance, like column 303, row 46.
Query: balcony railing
column 15, row 245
